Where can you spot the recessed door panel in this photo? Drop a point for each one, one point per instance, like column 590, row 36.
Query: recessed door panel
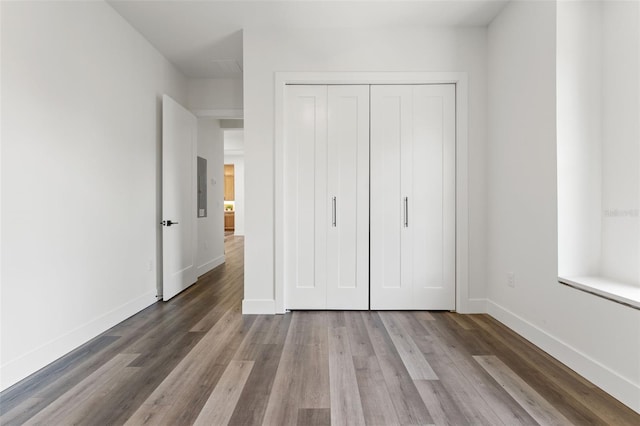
column 423, row 118
column 348, row 187
column 305, row 177
column 389, row 129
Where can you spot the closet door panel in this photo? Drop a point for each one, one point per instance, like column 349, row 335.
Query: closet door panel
column 433, row 237
column 439, row 285
column 427, row 198
column 305, row 178
column 413, row 177
column 348, row 203
column 390, row 130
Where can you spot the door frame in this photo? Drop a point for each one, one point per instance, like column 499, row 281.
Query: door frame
column 460, row 79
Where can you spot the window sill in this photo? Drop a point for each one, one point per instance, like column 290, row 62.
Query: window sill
column 625, row 294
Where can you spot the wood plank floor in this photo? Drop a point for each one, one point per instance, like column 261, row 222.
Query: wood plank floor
column 198, row 360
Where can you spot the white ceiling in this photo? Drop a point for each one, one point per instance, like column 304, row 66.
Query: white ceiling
column 204, row 38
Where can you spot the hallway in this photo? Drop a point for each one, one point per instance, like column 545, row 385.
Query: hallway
column 196, row 359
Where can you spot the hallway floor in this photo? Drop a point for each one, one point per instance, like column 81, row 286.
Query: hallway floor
column 196, row 359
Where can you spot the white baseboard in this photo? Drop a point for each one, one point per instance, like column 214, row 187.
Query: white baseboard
column 203, row 269
column 258, row 306
column 475, row 306
column 611, row 382
column 17, row 369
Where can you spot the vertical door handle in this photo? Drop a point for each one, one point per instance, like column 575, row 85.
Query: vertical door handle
column 333, row 212
column 406, row 212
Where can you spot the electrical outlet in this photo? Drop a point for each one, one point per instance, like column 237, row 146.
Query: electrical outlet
column 511, row 279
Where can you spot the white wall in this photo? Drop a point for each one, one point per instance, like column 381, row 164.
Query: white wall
column 599, row 139
column 268, row 51
column 215, row 93
column 595, row 337
column 81, row 94
column 238, row 205
column 579, row 122
column 621, row 141
column 211, row 228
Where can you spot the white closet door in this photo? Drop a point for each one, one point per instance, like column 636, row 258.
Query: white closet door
column 348, row 203
column 305, row 192
column 413, row 197
column 390, row 129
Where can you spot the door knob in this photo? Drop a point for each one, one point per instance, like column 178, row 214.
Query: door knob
column 168, row 223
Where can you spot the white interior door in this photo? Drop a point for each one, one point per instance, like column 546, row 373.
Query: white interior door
column 348, row 188
column 306, row 216
column 413, row 197
column 179, row 203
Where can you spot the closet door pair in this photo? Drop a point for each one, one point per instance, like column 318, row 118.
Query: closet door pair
column 359, row 203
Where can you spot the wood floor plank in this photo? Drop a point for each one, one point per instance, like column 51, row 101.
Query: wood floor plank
column 314, row 417
column 208, row 320
column 424, row 315
column 346, row 405
column 538, row 407
column 406, row 400
column 223, row 399
column 465, row 397
column 252, row 403
column 302, row 379
column 466, row 337
column 442, row 407
column 87, row 413
column 72, row 400
column 414, row 361
column 128, row 394
column 502, row 404
column 463, row 321
column 20, row 413
column 182, row 394
column 255, row 338
column 282, row 406
column 358, row 336
column 314, row 365
column 377, row 405
column 277, row 333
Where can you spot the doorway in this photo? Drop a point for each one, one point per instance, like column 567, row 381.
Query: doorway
column 234, row 209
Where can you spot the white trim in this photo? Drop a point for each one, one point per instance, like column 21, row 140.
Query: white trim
column 258, row 307
column 25, row 365
column 462, row 197
column 204, row 268
column 610, row 381
column 623, row 293
column 219, row 113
